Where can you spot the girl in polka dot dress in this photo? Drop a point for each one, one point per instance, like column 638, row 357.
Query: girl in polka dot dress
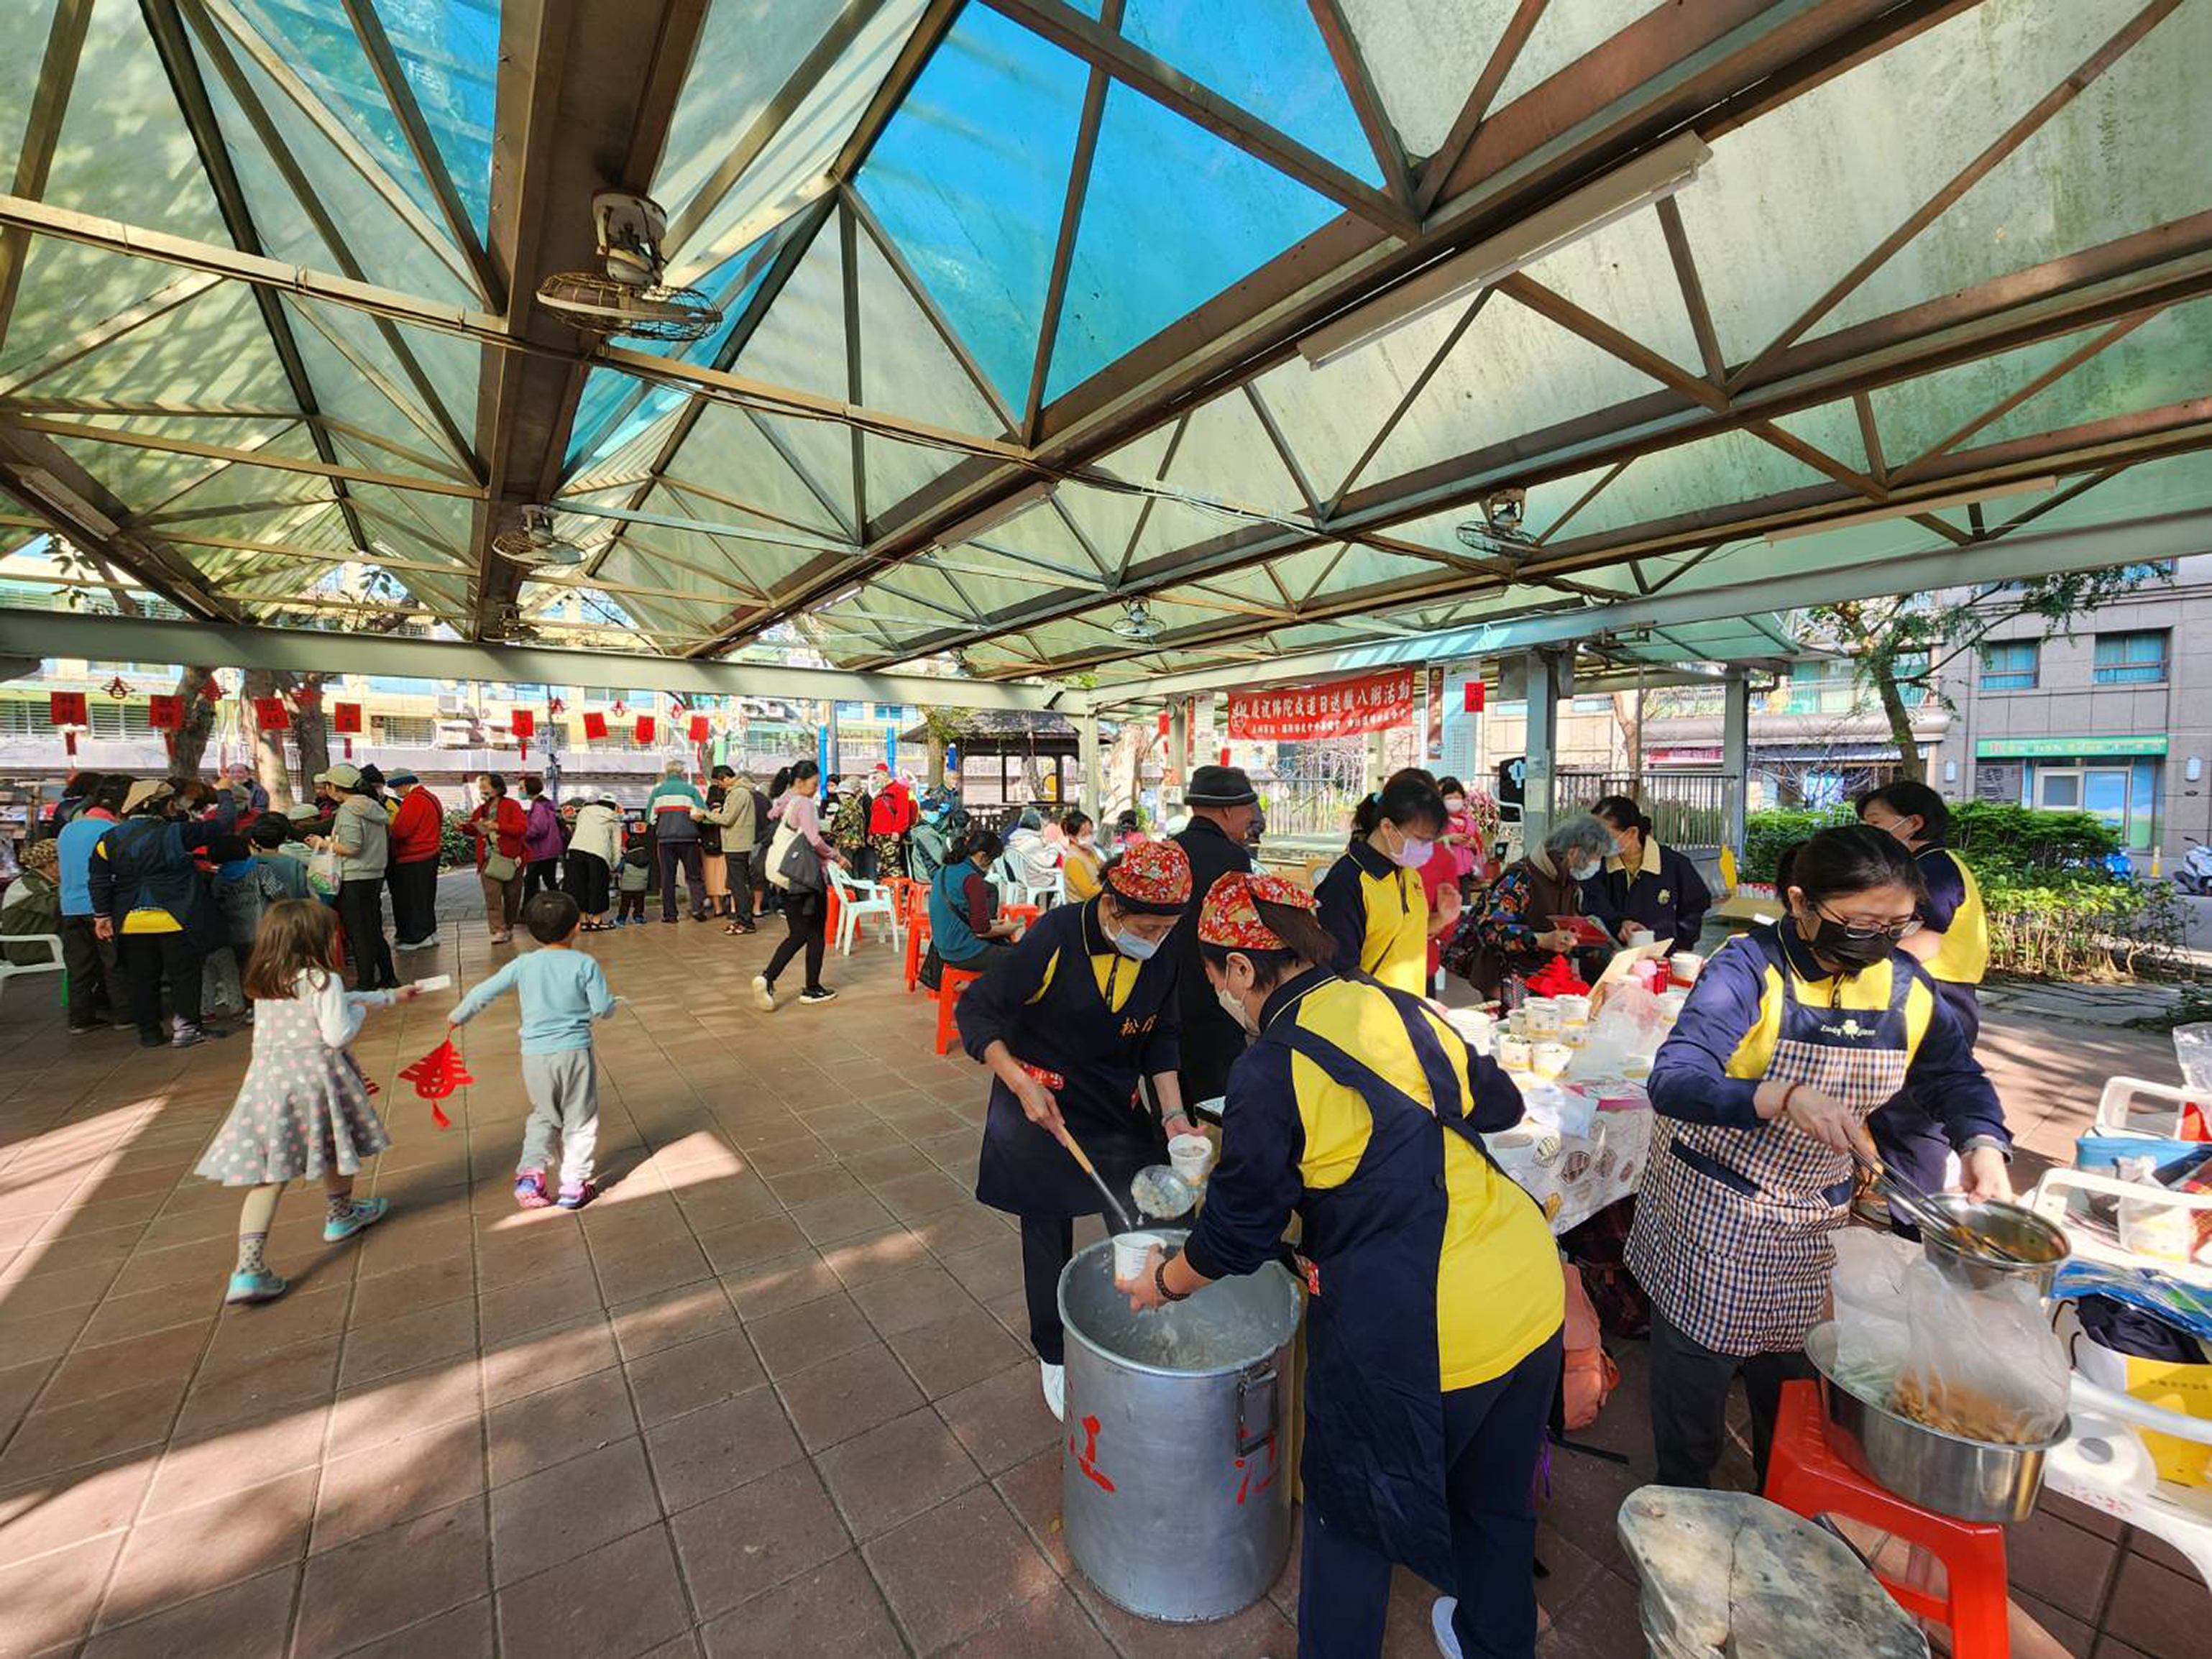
column 302, row 1110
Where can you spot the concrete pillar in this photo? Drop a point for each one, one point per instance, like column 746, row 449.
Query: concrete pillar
column 1735, row 755
column 1179, row 742
column 1373, row 775
column 1086, row 740
column 1542, row 675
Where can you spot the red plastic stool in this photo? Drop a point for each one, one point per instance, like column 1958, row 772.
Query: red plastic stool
column 1805, row 1476
column 917, row 947
column 951, row 983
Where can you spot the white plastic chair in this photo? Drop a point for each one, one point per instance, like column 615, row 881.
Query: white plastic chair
column 53, row 943
column 2118, row 1112
column 2051, row 1199
column 857, row 900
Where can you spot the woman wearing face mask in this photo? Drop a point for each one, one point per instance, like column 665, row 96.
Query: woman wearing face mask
column 965, row 928
column 1068, row 1022
column 1433, row 1344
column 1511, row 933
column 1645, row 885
column 1372, row 901
column 1080, row 862
column 1793, row 1033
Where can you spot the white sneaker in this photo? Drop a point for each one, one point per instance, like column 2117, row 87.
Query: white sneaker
column 1055, row 1392
column 764, row 994
column 1440, row 1624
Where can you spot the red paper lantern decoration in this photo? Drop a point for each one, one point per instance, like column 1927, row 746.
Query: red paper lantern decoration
column 699, row 728
column 595, row 723
column 436, row 1075
column 645, row 728
column 523, row 723
column 67, row 708
column 118, row 688
column 269, row 714
column 345, row 719
column 1475, row 697
column 165, row 714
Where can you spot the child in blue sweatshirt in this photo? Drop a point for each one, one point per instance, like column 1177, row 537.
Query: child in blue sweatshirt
column 562, row 992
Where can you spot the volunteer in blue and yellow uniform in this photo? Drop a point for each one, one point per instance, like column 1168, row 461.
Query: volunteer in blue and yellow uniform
column 1433, row 1331
column 1952, row 943
column 1644, row 884
column 1372, row 903
column 1793, row 1033
column 1068, row 1021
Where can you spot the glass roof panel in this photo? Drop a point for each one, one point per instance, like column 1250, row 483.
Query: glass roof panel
column 729, row 450
column 1424, row 56
column 1566, row 30
column 1913, row 415
column 2166, row 361
column 1624, row 275
column 747, row 50
column 448, row 50
column 1266, row 57
column 1191, row 213
column 970, row 179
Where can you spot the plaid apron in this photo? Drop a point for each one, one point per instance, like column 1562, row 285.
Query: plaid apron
column 1732, row 1237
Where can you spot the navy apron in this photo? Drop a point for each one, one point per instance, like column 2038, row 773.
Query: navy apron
column 1374, row 1458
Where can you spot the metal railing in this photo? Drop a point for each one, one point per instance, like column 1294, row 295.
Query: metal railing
column 1688, row 810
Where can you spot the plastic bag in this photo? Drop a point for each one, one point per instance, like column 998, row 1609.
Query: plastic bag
column 1872, row 1339
column 1984, row 1363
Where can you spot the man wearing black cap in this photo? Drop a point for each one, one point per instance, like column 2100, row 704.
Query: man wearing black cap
column 1223, row 804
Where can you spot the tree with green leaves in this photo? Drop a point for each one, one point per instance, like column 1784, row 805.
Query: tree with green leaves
column 1907, row 641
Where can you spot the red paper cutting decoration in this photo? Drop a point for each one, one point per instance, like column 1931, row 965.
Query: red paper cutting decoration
column 67, row 708
column 345, row 719
column 523, row 723
column 211, row 689
column 309, row 698
column 270, row 714
column 1556, row 978
column 118, row 688
column 645, row 728
column 436, row 1075
column 595, row 723
column 165, row 713
column 699, row 728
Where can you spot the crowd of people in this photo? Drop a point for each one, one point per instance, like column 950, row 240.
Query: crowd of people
column 1176, row 982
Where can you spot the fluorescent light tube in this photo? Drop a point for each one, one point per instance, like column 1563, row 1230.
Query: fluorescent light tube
column 1906, row 509
column 1629, row 187
column 982, row 523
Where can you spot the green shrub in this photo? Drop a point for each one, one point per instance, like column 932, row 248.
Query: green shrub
column 454, row 848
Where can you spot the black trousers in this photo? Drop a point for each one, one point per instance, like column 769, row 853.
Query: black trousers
column 1690, row 1385
column 96, row 990
column 1493, row 1433
column 587, row 883
column 361, row 913
column 1047, row 1246
column 686, row 853
column 740, row 867
column 414, row 899
column 805, row 915
column 1910, row 1140
column 146, row 959
column 1212, row 1043
column 541, row 876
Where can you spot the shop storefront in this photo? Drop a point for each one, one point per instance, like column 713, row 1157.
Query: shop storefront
column 2117, row 779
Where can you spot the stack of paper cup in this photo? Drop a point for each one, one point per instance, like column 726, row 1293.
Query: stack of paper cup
column 1542, row 1017
column 1573, row 1010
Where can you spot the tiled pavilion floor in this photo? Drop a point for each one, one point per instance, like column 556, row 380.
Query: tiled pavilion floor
column 768, row 1396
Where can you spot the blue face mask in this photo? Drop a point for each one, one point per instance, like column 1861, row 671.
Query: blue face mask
column 1132, row 946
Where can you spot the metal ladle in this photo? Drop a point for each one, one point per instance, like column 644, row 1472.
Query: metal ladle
column 1162, row 1192
column 1924, row 1215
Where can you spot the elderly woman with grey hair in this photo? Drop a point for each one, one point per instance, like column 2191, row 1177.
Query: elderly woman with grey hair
column 1509, row 929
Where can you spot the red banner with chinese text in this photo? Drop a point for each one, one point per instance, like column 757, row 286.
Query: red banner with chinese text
column 165, row 713
column 646, row 728
column 523, row 722
column 1343, row 708
column 345, row 719
column 269, row 714
column 701, row 730
column 67, row 708
column 595, row 723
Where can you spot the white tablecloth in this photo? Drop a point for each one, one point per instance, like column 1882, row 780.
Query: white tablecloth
column 1586, row 1173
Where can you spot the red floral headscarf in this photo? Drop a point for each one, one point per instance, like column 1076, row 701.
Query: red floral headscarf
column 1230, row 918
column 1151, row 877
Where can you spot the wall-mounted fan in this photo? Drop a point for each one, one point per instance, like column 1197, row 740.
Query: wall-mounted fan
column 629, row 298
column 528, row 539
column 1137, row 623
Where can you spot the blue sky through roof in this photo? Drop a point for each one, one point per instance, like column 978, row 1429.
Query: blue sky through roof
column 1266, row 56
column 449, row 50
column 1173, row 216
column 970, row 179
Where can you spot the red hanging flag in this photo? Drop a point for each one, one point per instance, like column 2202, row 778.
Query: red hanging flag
column 595, row 723
column 645, row 728
column 269, row 714
column 523, row 723
column 699, row 728
column 165, row 713
column 345, row 719
column 1475, row 697
column 436, row 1075
column 67, row 708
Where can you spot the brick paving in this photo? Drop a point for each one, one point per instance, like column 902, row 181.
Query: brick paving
column 769, row 1396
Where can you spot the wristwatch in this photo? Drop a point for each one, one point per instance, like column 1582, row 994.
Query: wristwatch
column 1160, row 1283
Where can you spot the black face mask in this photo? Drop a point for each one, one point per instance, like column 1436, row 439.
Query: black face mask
column 1832, row 942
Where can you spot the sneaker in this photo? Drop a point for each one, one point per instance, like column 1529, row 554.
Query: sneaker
column 1440, row 1626
column 362, row 1212
column 188, row 1037
column 530, row 1192
column 263, row 1286
column 764, row 994
column 575, row 1196
column 819, row 993
column 85, row 1030
column 1054, row 1379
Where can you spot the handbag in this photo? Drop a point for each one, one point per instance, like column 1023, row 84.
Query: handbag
column 779, row 845
column 500, row 867
column 800, row 866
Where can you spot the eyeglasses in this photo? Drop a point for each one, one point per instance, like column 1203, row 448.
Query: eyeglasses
column 1905, row 929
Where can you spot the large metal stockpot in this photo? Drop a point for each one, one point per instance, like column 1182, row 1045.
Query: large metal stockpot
column 1175, row 1492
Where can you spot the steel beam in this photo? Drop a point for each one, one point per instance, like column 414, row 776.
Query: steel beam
column 41, row 131
column 125, row 437
column 49, row 634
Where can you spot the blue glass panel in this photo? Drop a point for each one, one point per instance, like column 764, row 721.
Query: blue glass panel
column 448, row 50
column 970, row 179
column 322, row 48
column 1172, row 217
column 1267, row 57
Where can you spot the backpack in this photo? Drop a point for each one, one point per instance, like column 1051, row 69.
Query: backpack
column 763, row 831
